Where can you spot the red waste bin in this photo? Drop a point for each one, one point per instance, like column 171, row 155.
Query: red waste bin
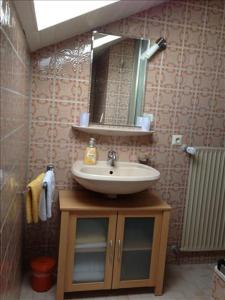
column 41, row 278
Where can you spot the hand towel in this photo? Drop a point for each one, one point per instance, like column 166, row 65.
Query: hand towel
column 47, row 195
column 32, row 199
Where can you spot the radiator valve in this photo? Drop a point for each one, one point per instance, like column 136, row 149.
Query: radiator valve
column 189, row 150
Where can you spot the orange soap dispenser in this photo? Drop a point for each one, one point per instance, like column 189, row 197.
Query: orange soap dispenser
column 90, row 155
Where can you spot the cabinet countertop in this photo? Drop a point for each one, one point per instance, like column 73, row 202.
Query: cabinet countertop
column 89, row 201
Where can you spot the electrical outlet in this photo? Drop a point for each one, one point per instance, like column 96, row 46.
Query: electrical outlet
column 177, row 139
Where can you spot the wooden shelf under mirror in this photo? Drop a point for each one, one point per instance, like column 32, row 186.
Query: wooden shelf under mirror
column 111, row 244
column 112, row 130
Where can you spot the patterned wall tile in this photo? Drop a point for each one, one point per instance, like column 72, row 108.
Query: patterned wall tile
column 175, row 35
column 42, row 87
column 65, row 89
column 40, row 132
column 209, row 61
column 222, row 62
column 200, row 137
column 204, row 102
column 178, row 160
column 162, row 138
column 160, row 157
column 42, row 110
column 191, row 59
column 64, row 112
column 195, row 16
column 176, row 12
column 185, row 101
column 214, row 19
column 189, row 80
column 151, row 96
column 167, row 99
column 133, row 27
column 171, row 57
column 216, row 4
column 164, row 119
column 207, row 82
column 220, row 86
column 216, row 138
column 154, row 79
column 218, row 122
column 218, row 104
column 183, row 120
column 154, row 30
column 62, row 134
column 82, row 90
column 14, row 84
column 212, row 40
column 169, row 78
column 40, row 154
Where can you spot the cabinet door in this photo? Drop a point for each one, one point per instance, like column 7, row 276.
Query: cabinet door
column 137, row 241
column 90, row 252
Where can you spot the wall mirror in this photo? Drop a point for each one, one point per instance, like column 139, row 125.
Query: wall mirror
column 118, row 79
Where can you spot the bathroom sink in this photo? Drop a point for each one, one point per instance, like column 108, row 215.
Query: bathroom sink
column 123, row 178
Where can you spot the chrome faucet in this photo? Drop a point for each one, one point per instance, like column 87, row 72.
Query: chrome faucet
column 112, row 157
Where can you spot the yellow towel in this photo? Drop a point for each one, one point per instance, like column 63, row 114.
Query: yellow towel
column 32, row 199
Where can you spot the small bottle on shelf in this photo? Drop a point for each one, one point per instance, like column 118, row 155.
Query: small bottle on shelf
column 90, row 155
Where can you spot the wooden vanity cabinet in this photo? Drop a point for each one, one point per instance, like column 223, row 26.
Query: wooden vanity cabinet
column 111, row 244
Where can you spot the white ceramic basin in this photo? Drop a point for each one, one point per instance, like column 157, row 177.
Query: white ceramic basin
column 124, row 178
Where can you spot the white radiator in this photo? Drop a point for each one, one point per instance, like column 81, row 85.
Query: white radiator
column 204, row 218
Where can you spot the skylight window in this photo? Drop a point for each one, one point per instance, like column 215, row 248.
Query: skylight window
column 51, row 12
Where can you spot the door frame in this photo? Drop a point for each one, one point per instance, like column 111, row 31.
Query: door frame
column 150, row 282
column 106, row 284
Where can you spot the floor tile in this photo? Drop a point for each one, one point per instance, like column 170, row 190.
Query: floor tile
column 182, row 282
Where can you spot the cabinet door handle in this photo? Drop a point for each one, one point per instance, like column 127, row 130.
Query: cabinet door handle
column 111, row 251
column 119, row 250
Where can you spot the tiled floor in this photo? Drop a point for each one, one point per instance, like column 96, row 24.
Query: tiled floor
column 183, row 282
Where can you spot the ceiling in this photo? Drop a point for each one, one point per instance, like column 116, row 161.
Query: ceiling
column 89, row 21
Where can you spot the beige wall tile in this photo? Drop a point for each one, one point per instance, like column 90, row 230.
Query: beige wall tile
column 42, row 87
column 14, row 84
column 154, row 29
column 196, row 16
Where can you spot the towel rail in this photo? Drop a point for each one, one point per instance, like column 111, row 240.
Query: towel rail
column 44, row 185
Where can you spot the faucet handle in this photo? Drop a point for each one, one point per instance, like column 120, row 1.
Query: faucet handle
column 112, row 154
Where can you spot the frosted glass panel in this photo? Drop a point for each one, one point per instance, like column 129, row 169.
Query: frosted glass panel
column 137, row 246
column 89, row 267
column 90, row 250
